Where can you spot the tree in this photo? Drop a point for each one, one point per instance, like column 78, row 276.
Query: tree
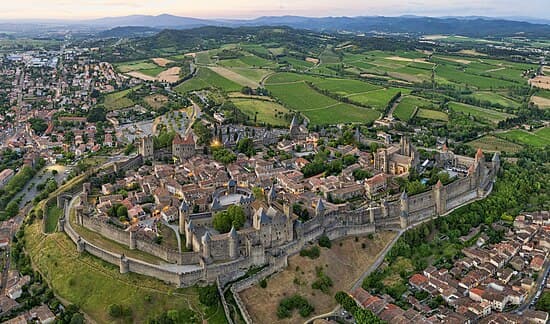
column 208, row 295
column 224, row 156
column 233, row 216
column 246, row 146
column 114, row 310
column 543, row 304
column 122, row 211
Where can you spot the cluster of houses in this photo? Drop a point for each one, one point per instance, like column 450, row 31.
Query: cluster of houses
column 489, row 280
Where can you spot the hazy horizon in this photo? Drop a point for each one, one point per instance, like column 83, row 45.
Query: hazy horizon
column 218, row 9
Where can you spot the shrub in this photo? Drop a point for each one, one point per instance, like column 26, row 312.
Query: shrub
column 114, row 310
column 263, row 283
column 312, row 253
column 208, row 295
column 324, row 241
column 323, row 282
column 288, row 304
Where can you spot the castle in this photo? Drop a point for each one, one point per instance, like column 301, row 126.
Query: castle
column 271, row 231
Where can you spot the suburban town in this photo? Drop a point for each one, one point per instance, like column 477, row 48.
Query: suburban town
column 274, row 170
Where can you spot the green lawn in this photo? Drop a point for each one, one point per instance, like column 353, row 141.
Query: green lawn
column 489, row 115
column 93, row 285
column 268, row 112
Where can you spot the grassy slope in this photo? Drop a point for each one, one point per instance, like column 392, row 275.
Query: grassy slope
column 93, row 284
column 490, row 115
column 268, row 112
column 118, row 100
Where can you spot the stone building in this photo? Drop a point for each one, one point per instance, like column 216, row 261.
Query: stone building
column 146, row 147
column 397, row 159
column 298, row 131
column 183, row 147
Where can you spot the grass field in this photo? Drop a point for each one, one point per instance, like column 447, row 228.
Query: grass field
column 153, row 72
column 377, row 99
column 126, row 67
column 93, row 284
column 343, row 263
column 539, row 138
column 118, row 100
column 491, row 143
column 156, row 101
column 489, row 115
column 344, row 87
column 432, row 114
column 408, row 105
column 319, row 109
column 52, row 217
column 267, row 112
column 495, row 98
column 207, row 78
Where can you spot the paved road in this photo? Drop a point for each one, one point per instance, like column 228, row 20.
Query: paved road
column 540, row 284
column 29, row 191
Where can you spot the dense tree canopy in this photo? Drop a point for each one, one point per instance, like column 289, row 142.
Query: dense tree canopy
column 233, row 216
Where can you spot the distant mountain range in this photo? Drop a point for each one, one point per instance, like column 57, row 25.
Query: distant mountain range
column 467, row 26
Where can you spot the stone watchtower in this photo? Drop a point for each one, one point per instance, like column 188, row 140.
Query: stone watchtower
column 320, row 208
column 233, row 244
column 272, row 195
column 183, row 215
column 404, row 216
column 440, row 197
column 146, row 147
column 206, row 247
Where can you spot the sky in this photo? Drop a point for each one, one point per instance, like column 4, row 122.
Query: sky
column 84, row 9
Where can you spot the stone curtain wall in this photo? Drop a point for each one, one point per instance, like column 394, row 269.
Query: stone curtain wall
column 122, row 237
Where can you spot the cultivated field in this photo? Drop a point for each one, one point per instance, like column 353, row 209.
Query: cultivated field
column 156, row 100
column 161, row 61
column 541, row 102
column 170, row 75
column 489, row 115
column 343, row 263
column 538, row 138
column 318, row 108
column 235, row 77
column 491, row 143
column 432, row 114
column 207, row 78
column 118, row 100
column 267, row 112
column 409, row 105
column 541, row 81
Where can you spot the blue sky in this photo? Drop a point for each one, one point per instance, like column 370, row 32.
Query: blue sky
column 76, row 9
